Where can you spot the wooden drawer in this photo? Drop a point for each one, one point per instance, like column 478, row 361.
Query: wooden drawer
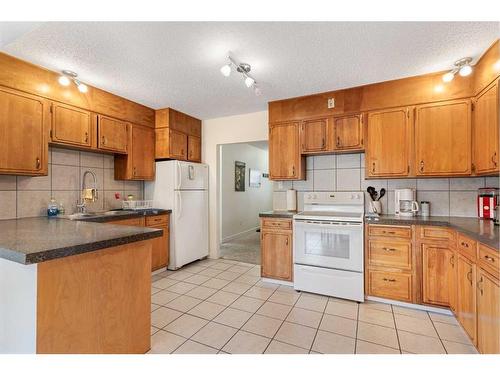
column 437, row 233
column 392, row 285
column 489, row 259
column 389, row 231
column 467, row 246
column 284, row 224
column 135, row 222
column 395, row 254
column 156, row 220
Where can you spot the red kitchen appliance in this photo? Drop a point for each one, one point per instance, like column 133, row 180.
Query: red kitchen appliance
column 487, row 200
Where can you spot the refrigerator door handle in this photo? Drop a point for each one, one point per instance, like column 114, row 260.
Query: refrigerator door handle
column 179, row 175
column 179, row 200
column 191, row 172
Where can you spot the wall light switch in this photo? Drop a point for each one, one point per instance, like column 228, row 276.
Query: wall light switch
column 331, row 103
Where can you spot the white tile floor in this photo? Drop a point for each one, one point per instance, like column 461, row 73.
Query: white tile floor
column 222, row 306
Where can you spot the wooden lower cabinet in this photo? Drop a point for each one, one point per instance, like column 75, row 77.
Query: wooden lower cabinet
column 160, row 245
column 392, row 285
column 276, row 251
column 438, row 275
column 488, row 313
column 466, row 296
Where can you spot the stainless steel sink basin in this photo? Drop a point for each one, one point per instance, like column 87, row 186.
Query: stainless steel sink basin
column 94, row 214
column 77, row 216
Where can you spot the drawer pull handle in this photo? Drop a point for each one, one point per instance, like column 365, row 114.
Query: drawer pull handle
column 388, row 249
column 388, row 232
column 489, row 259
column 464, row 244
column 389, row 280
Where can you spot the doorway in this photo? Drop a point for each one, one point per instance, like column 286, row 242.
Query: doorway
column 245, row 191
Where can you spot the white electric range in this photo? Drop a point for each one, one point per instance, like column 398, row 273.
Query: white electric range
column 328, row 245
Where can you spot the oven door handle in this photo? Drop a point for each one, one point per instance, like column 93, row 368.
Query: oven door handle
column 330, row 223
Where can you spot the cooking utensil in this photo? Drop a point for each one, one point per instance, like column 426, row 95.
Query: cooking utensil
column 382, row 193
column 371, row 191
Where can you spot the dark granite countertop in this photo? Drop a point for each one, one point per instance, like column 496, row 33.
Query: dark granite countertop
column 35, row 240
column 123, row 215
column 483, row 231
column 278, row 214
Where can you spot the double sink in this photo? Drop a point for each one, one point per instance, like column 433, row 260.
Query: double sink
column 98, row 214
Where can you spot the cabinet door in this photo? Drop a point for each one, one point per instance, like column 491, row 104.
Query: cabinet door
column 387, row 146
column 314, row 135
column 438, row 275
column 486, row 133
column 348, row 133
column 466, row 297
column 143, row 153
column 284, row 152
column 488, row 314
column 160, row 248
column 113, row 134
column 443, row 138
column 23, row 133
column 72, row 126
column 194, row 148
column 178, row 145
column 277, row 255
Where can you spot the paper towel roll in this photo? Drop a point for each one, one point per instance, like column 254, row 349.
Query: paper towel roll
column 291, row 200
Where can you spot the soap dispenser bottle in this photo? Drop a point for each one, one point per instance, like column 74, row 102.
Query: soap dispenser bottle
column 52, row 209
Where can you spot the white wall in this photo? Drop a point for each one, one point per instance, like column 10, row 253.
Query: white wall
column 240, row 209
column 224, row 130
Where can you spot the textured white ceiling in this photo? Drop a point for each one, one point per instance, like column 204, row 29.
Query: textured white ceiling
column 176, row 64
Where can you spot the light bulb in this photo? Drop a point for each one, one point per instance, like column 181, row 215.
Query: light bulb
column 249, row 81
column 465, row 70
column 82, row 87
column 448, row 77
column 226, row 70
column 63, row 80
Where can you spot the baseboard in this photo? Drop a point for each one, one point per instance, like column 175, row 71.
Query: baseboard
column 437, row 310
column 274, row 281
column 238, row 235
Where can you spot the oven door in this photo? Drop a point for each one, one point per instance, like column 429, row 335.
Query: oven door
column 328, row 244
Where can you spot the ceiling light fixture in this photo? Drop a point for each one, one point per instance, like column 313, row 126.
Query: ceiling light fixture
column 242, row 68
column 68, row 76
column 462, row 67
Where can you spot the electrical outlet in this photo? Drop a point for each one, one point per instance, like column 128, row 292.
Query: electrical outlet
column 331, row 103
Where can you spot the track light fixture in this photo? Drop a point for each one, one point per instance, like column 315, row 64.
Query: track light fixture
column 68, row 76
column 242, row 68
column 462, row 67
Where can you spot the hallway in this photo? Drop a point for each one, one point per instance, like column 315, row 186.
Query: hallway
column 243, row 249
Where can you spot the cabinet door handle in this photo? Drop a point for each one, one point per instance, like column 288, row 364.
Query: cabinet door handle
column 389, row 280
column 469, row 276
column 286, row 241
column 421, row 165
column 103, row 140
column 323, row 143
column 489, row 259
column 388, row 249
column 494, row 159
column 452, row 260
column 373, row 167
column 479, row 285
column 86, row 137
column 338, row 141
column 135, row 171
column 37, row 163
column 293, row 170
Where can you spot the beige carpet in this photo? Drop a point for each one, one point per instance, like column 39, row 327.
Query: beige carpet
column 243, row 249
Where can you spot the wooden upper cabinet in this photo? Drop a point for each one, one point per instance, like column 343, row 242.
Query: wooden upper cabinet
column 488, row 313
column 466, row 296
column 439, row 276
column 139, row 163
column 194, row 148
column 388, row 140
column 178, row 145
column 112, row 134
column 347, row 133
column 486, row 123
column 285, row 162
column 24, row 126
column 443, row 138
column 314, row 135
column 72, row 126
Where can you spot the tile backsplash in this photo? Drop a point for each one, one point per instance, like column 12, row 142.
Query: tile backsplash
column 22, row 196
column 346, row 172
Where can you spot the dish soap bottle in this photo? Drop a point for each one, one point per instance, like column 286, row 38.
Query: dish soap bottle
column 52, row 209
column 61, row 210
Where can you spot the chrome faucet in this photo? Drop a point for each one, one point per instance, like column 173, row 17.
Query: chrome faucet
column 87, row 194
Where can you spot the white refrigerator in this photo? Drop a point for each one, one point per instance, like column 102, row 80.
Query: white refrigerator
column 183, row 187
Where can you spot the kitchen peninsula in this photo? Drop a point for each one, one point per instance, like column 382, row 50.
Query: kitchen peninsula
column 74, row 287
